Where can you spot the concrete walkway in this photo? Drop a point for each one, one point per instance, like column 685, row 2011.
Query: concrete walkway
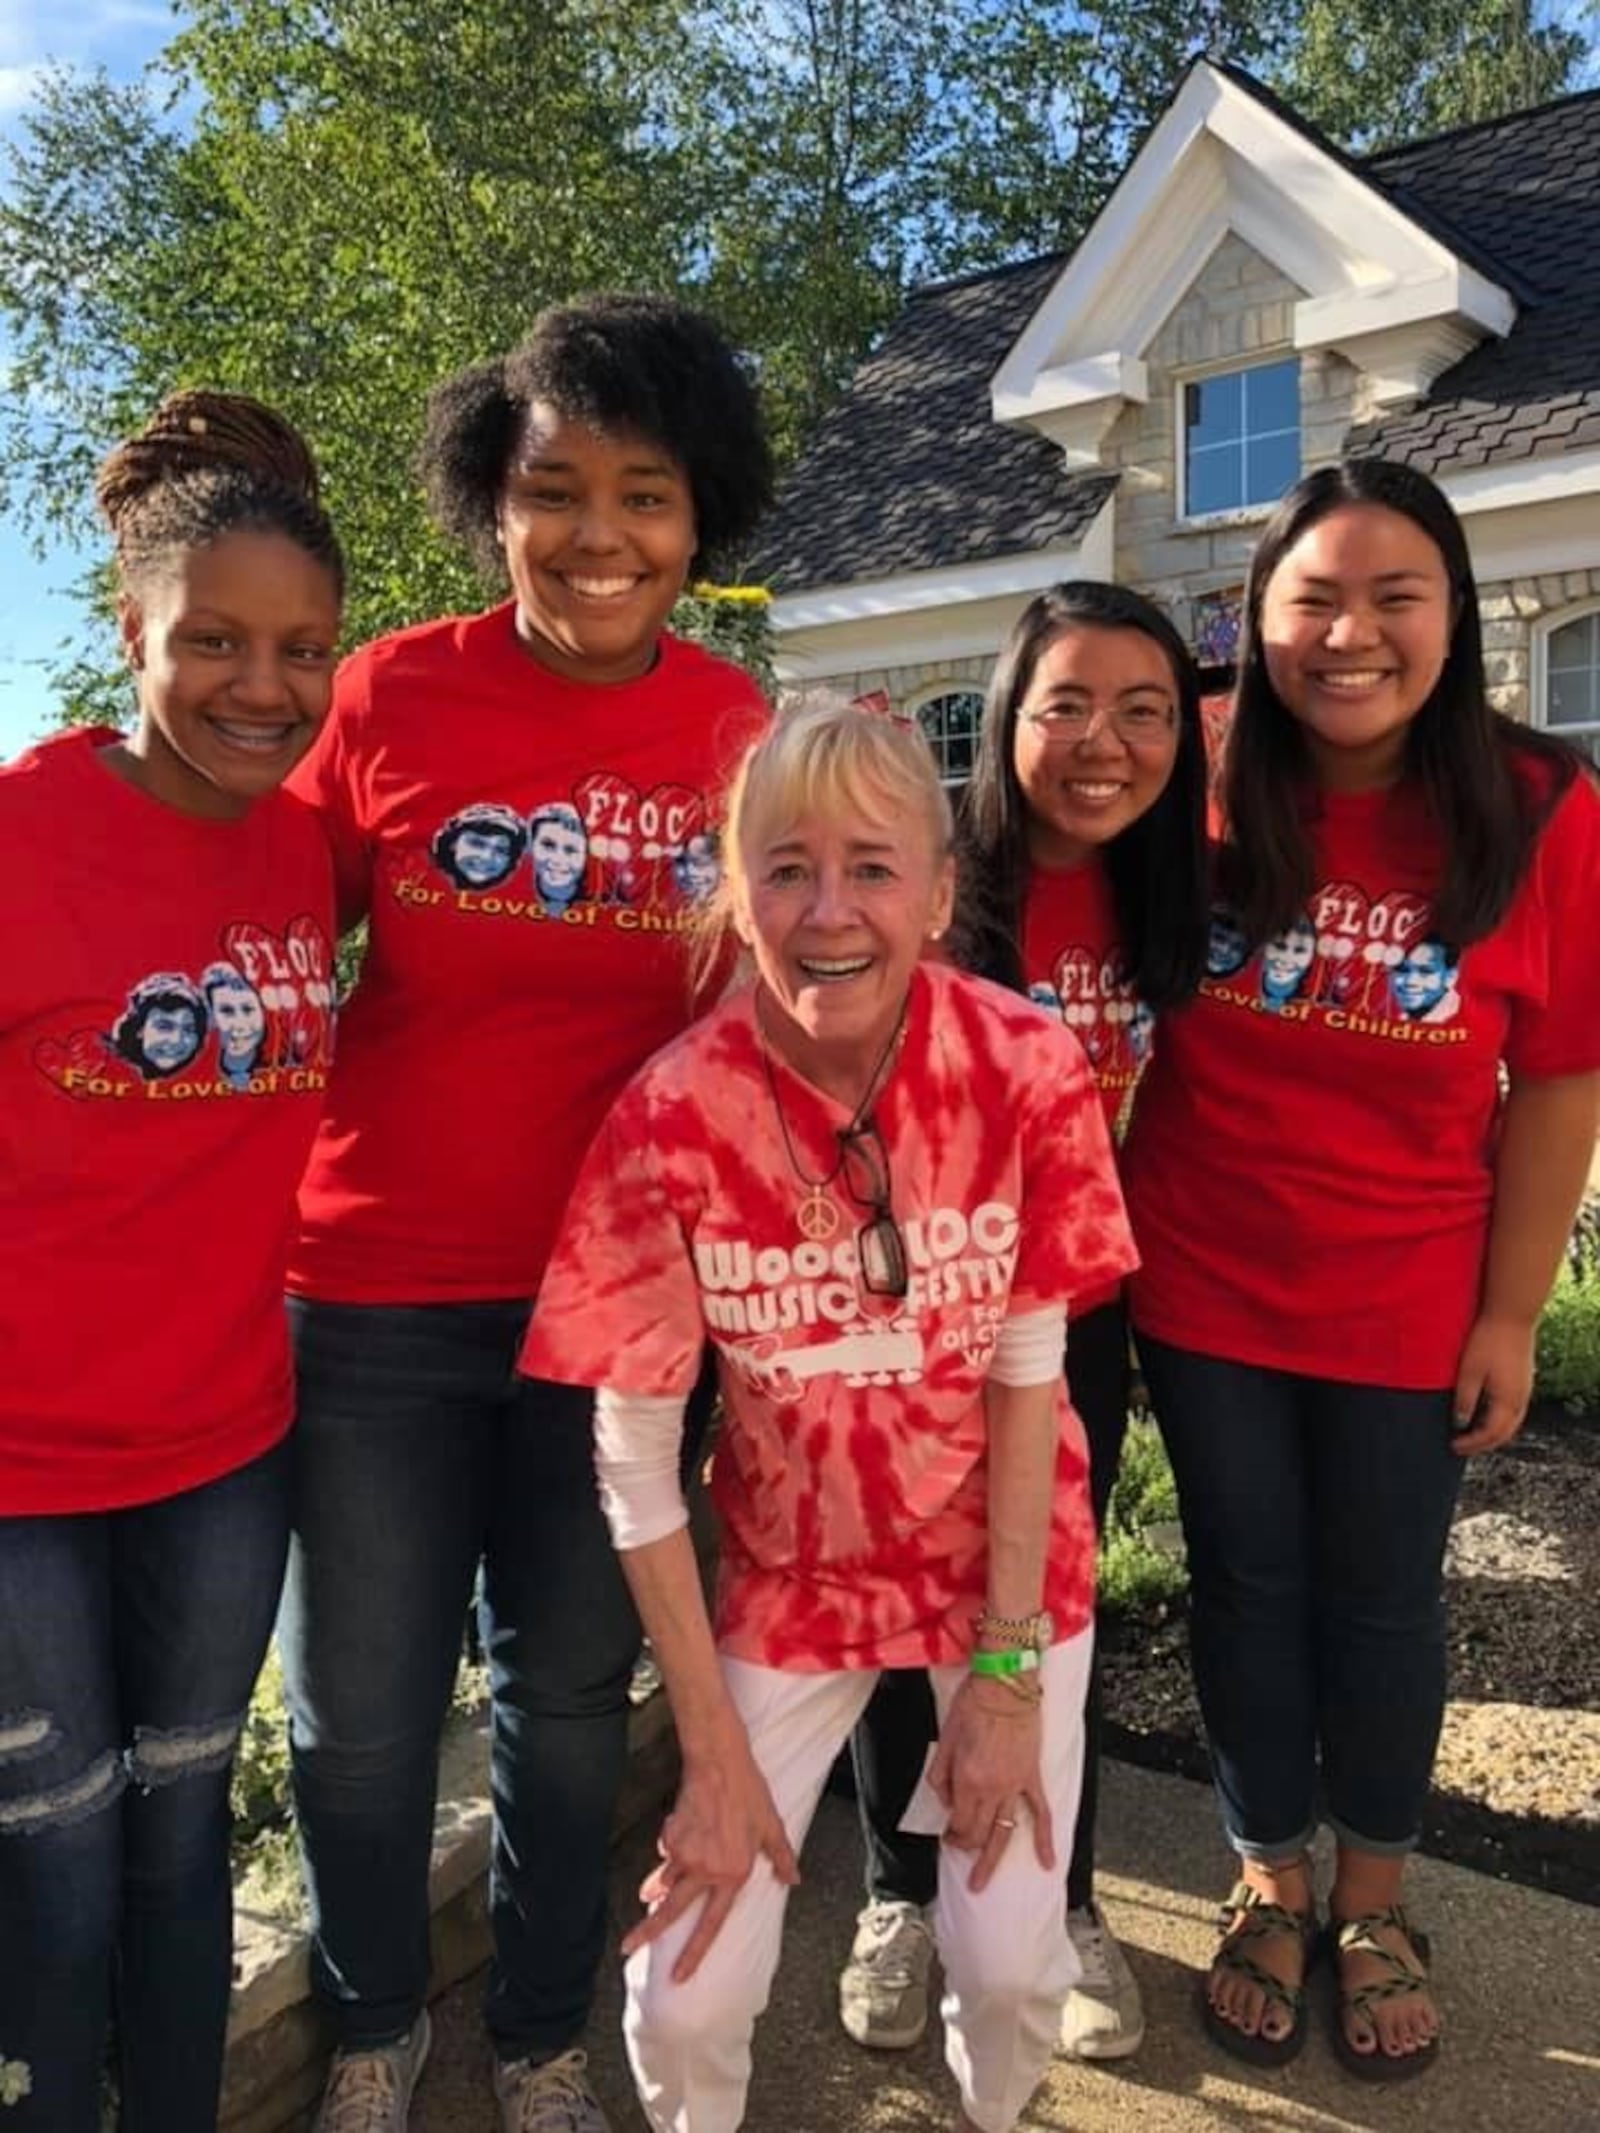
column 1519, row 1978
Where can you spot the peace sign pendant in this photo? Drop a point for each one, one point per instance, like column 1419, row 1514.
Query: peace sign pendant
column 818, row 1218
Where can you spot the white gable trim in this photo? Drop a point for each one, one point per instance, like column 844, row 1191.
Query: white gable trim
column 1221, row 160
column 915, row 591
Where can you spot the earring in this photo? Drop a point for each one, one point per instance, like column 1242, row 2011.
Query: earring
column 936, row 933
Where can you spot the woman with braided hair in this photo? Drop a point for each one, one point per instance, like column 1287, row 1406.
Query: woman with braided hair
column 143, row 1415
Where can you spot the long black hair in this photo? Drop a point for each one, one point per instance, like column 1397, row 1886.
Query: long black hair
column 1460, row 751
column 1156, row 867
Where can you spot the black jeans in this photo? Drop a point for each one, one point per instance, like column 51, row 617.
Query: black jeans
column 129, row 1643
column 1316, row 1516
column 890, row 1744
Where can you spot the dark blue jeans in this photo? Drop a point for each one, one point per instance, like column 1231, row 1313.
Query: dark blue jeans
column 1316, row 1516
column 129, row 1644
column 419, row 1454
column 891, row 1740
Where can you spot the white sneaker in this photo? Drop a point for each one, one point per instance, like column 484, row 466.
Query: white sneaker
column 548, row 2096
column 1103, row 2017
column 369, row 2091
column 883, row 1989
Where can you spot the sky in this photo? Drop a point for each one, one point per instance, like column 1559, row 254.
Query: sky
column 36, row 614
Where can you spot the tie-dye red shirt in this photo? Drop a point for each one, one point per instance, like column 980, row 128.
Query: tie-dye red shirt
column 850, row 1474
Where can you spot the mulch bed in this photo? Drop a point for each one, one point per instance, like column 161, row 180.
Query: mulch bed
column 1533, row 1642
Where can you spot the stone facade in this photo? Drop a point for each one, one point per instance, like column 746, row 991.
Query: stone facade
column 1512, row 612
column 1239, row 308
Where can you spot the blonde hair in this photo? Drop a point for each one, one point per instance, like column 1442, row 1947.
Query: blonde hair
column 821, row 756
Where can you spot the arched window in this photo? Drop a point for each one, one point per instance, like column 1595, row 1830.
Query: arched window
column 950, row 718
column 1567, row 691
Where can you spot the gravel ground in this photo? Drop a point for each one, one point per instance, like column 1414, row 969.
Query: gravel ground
column 1517, row 1784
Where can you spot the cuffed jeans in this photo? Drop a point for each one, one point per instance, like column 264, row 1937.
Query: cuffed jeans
column 418, row 1454
column 130, row 1641
column 890, row 1744
column 1315, row 1516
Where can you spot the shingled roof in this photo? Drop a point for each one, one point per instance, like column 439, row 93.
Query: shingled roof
column 1526, row 191
column 911, row 472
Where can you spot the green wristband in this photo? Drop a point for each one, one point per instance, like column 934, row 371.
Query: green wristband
column 1004, row 1662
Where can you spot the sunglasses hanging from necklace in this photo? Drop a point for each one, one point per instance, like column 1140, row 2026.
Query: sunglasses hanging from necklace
column 864, row 1163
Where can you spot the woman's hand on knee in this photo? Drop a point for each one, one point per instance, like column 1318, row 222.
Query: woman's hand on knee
column 986, row 1770
column 723, row 1821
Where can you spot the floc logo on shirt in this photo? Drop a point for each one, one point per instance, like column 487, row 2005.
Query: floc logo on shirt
column 602, row 853
column 1089, row 994
column 1364, row 965
column 257, row 1020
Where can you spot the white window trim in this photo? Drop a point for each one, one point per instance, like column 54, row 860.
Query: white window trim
column 1194, row 374
column 1544, row 628
column 930, row 692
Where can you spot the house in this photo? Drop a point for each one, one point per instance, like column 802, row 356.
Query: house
column 1250, row 303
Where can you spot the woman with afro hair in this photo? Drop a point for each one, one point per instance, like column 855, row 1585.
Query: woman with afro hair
column 593, row 470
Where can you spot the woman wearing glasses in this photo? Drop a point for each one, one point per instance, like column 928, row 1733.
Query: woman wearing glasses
column 1083, row 883
column 874, row 1182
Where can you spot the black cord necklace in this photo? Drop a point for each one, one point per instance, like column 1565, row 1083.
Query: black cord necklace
column 817, row 1217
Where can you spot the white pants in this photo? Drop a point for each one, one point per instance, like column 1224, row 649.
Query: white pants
column 1008, row 1963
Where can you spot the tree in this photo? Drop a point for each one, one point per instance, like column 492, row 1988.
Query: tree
column 1373, row 74
column 334, row 203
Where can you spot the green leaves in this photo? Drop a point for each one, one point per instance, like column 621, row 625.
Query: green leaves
column 335, row 203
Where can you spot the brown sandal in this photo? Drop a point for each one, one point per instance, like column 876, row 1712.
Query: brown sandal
column 1359, row 1936
column 1249, row 1916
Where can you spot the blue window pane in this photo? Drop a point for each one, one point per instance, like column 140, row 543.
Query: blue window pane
column 1214, row 479
column 1212, row 409
column 1272, row 397
column 1576, row 645
column 1572, row 697
column 1270, row 465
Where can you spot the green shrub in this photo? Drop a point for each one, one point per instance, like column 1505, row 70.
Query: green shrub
column 1136, row 1570
column 1567, row 1356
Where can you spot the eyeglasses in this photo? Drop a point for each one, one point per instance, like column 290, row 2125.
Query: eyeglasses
column 864, row 1165
column 1134, row 724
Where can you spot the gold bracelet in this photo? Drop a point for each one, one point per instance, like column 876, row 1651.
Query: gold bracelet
column 1027, row 1688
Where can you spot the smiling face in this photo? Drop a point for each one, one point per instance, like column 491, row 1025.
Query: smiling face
column 1286, row 958
column 233, row 646
column 1422, row 977
column 836, row 910
column 598, row 533
column 1082, row 791
column 170, row 1037
column 1355, row 628
column 483, row 856
column 559, row 848
column 239, row 1018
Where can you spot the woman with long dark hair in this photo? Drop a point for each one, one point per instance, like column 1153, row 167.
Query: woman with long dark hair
column 1082, row 881
column 1347, row 1230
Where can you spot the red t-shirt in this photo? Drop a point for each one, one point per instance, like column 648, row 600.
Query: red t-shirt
column 850, row 1473
column 165, row 1020
column 1070, row 960
column 531, row 852
column 1310, row 1165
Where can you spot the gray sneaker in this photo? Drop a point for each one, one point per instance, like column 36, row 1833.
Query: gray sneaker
column 883, row 1989
column 551, row 2096
column 1104, row 2016
column 369, row 2090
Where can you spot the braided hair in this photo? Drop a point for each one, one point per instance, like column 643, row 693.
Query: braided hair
column 208, row 464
